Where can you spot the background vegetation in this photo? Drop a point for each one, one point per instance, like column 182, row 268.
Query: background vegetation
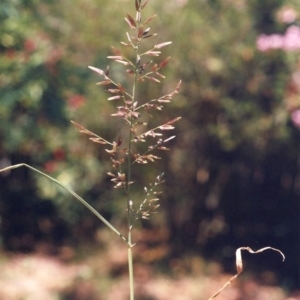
column 233, row 173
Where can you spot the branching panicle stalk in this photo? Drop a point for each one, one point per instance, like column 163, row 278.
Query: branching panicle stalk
column 129, row 166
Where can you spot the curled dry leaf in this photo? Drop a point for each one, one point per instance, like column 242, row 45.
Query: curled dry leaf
column 239, row 265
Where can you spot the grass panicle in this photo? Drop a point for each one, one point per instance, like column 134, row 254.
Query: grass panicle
column 125, row 154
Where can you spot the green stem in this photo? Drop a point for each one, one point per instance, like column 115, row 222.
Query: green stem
column 128, row 179
column 130, row 268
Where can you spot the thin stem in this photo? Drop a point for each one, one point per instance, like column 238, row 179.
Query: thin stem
column 129, row 217
column 128, row 178
column 130, row 268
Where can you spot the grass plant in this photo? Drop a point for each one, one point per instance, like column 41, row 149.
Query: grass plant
column 140, row 144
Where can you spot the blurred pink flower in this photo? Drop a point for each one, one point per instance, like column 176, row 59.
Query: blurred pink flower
column 295, row 116
column 29, row 45
column 290, row 41
column 76, row 101
column 267, row 42
column 287, row 15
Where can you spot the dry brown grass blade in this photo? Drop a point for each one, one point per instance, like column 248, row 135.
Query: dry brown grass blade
column 239, row 265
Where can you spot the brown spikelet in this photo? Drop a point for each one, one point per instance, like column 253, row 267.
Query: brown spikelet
column 173, row 120
column 144, row 4
column 150, row 19
column 141, row 31
column 162, row 45
column 153, row 79
column 104, row 82
column 130, row 21
column 164, row 62
column 116, row 51
column 99, row 71
column 137, row 5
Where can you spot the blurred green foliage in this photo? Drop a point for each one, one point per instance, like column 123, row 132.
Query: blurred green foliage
column 236, row 151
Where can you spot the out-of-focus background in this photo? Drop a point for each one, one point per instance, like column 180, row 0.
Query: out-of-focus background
column 232, row 175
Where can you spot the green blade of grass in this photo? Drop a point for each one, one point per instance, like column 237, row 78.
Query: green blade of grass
column 98, row 215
